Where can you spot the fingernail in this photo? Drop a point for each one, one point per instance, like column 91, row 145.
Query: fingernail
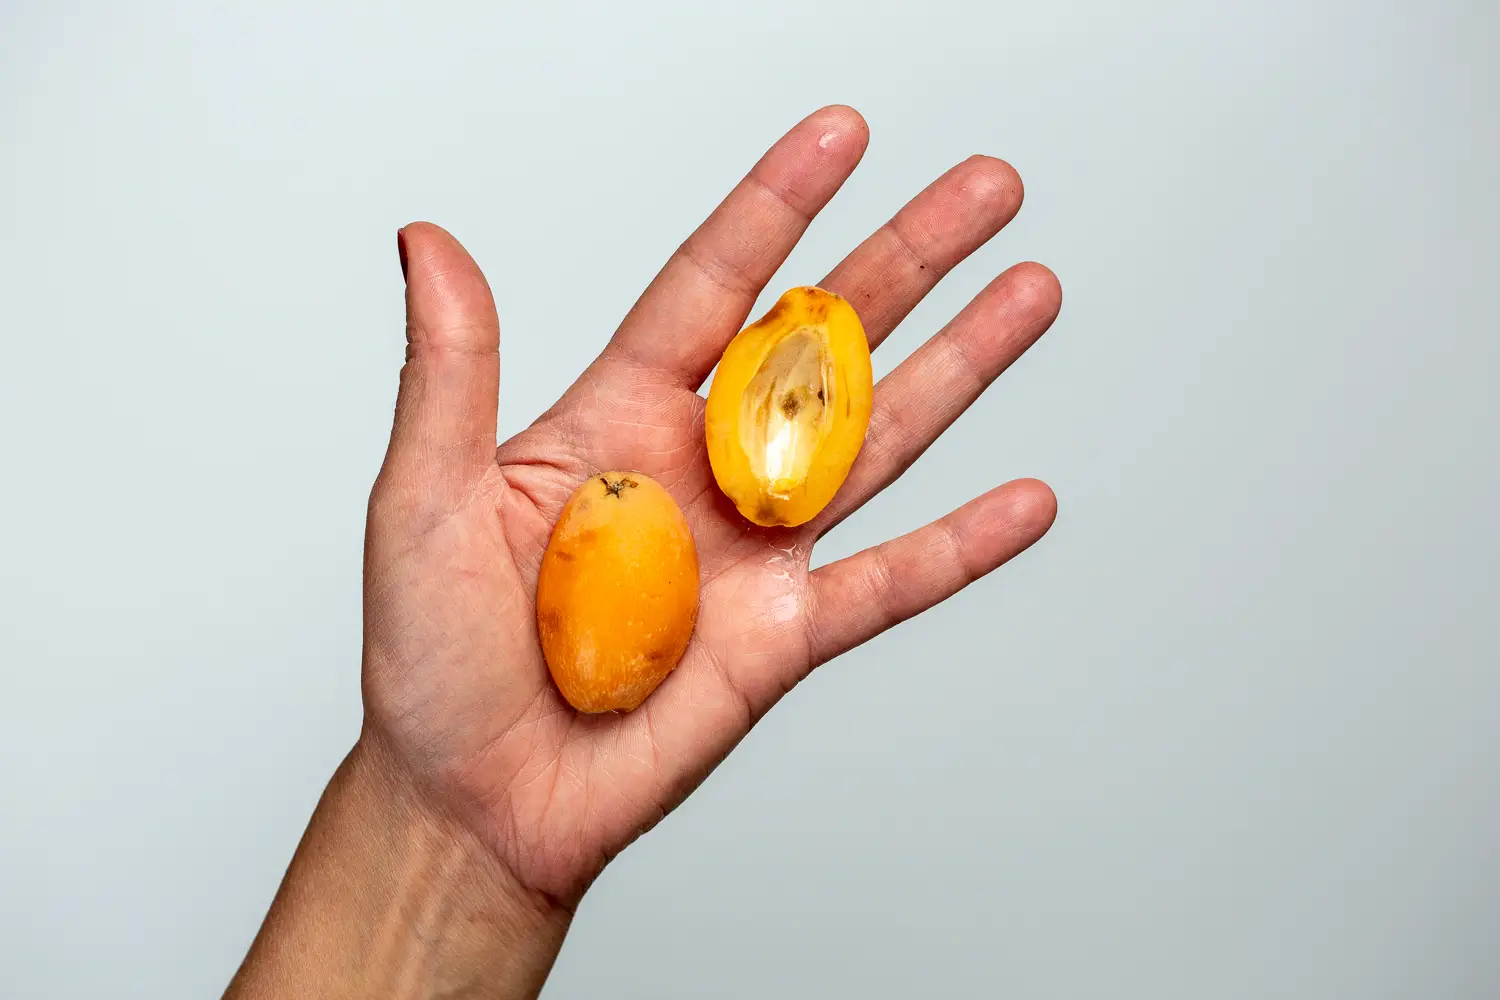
column 401, row 251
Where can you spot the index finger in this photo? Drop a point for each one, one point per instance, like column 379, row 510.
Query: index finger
column 703, row 295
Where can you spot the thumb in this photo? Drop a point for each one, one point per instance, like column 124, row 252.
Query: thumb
column 444, row 432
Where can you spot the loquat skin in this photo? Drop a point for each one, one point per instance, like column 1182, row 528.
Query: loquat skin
column 842, row 401
column 617, row 594
column 449, row 851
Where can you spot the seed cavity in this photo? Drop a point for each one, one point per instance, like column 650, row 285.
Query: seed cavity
column 784, row 415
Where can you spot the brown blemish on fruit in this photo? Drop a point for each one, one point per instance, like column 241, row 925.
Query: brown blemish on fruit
column 565, row 555
column 775, row 311
column 619, row 485
column 790, row 404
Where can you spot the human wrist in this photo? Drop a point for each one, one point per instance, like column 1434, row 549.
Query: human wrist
column 390, row 896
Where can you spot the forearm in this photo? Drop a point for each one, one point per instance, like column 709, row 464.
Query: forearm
column 386, row 898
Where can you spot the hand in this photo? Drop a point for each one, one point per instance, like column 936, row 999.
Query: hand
column 458, row 699
column 454, row 677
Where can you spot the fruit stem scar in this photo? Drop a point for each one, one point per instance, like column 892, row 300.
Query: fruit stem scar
column 614, row 488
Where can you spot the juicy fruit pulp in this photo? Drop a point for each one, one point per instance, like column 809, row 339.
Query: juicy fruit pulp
column 617, row 596
column 789, row 407
column 784, row 415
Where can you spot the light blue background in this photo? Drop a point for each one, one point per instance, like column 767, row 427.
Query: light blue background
column 1232, row 730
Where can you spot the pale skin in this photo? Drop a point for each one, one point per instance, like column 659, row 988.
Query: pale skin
column 452, row 846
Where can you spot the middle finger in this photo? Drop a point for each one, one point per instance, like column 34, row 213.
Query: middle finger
column 888, row 274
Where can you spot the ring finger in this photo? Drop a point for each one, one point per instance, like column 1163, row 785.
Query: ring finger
column 889, row 273
column 929, row 390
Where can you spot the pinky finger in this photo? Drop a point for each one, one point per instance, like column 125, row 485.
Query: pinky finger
column 857, row 598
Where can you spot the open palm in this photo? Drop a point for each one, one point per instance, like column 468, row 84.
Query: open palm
column 454, row 678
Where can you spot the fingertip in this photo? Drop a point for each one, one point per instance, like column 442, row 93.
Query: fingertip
column 842, row 125
column 449, row 304
column 837, row 134
column 1007, row 520
column 813, row 159
column 1033, row 504
column 1035, row 499
column 421, row 240
column 1035, row 288
column 990, row 180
